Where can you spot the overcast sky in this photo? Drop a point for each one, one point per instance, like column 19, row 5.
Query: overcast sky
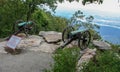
column 111, row 6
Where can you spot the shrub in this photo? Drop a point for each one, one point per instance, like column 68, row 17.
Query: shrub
column 65, row 60
column 104, row 62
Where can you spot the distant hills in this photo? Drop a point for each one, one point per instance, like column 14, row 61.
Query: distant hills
column 100, row 18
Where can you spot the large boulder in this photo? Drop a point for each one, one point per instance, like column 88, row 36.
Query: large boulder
column 45, row 47
column 51, row 36
column 31, row 41
column 72, row 44
column 87, row 54
column 101, row 45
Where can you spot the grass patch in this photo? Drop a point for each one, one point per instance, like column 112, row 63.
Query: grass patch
column 65, row 60
column 116, row 49
column 106, row 61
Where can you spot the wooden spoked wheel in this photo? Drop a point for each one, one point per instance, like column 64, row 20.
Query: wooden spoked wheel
column 84, row 40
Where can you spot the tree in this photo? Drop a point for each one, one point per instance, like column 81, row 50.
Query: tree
column 12, row 10
column 46, row 21
column 80, row 21
column 91, row 1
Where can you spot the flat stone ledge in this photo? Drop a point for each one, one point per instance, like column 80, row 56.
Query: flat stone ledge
column 51, row 36
column 101, row 45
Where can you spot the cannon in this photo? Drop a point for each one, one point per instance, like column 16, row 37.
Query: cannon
column 22, row 26
column 83, row 36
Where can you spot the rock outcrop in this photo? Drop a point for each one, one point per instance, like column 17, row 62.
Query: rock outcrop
column 31, row 41
column 101, row 45
column 47, row 42
column 51, row 36
column 86, row 55
column 45, row 47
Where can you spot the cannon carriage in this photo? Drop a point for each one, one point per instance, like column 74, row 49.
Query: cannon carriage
column 83, row 36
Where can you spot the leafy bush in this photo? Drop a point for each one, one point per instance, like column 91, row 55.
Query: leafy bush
column 65, row 60
column 104, row 62
column 116, row 48
column 45, row 21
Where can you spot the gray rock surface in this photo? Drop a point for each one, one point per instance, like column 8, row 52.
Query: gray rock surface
column 2, row 39
column 31, row 41
column 35, row 57
column 45, row 47
column 2, row 45
column 101, row 45
column 25, row 62
column 87, row 54
column 51, row 36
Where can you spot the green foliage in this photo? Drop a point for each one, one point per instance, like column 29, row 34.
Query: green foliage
column 65, row 60
column 91, row 1
column 106, row 61
column 10, row 11
column 13, row 10
column 95, row 35
column 83, row 1
column 46, row 21
column 116, row 48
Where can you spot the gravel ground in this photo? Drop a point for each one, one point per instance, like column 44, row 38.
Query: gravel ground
column 29, row 61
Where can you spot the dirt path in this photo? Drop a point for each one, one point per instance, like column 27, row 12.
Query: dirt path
column 29, row 61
